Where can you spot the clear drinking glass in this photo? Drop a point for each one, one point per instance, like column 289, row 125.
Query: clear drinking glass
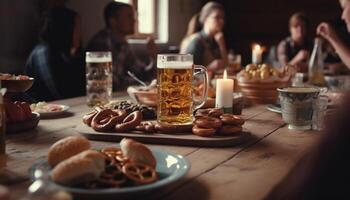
column 319, row 110
column 98, row 78
column 175, row 76
column 298, row 80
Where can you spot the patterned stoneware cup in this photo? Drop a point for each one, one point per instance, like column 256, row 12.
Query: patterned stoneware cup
column 297, row 106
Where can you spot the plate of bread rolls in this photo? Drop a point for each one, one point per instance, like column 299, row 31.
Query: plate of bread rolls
column 128, row 169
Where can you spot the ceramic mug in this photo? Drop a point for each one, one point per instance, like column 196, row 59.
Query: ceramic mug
column 297, row 106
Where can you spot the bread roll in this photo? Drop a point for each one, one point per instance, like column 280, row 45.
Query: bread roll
column 87, row 165
column 137, row 152
column 65, row 148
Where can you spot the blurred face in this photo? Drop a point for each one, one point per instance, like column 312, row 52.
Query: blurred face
column 346, row 15
column 215, row 21
column 124, row 21
column 298, row 31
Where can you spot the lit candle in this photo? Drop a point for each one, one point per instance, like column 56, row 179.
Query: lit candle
column 257, row 54
column 224, row 90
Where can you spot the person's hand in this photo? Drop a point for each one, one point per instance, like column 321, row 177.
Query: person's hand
column 219, row 38
column 326, row 31
column 151, row 47
column 302, row 55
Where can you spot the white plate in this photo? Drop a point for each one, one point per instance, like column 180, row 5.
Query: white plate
column 54, row 113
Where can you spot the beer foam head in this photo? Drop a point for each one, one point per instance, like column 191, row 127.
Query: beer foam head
column 98, row 57
column 175, row 61
column 175, row 65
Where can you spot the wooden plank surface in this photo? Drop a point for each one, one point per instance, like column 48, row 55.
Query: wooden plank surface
column 246, row 171
column 252, row 173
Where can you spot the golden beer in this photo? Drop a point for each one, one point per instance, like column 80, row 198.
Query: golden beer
column 175, row 74
column 175, row 95
column 317, row 78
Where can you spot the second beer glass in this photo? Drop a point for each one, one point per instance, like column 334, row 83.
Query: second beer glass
column 176, row 102
column 98, row 78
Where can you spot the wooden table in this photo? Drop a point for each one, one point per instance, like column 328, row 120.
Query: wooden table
column 248, row 171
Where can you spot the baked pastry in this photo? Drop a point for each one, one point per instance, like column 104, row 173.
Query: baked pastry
column 66, row 148
column 85, row 166
column 137, row 152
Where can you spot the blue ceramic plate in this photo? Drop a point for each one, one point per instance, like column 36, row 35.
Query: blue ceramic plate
column 170, row 168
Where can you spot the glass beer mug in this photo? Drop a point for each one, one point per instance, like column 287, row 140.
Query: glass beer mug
column 176, row 102
column 98, row 77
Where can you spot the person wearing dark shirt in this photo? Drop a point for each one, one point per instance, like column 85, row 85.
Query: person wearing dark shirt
column 296, row 48
column 204, row 38
column 56, row 63
column 120, row 22
column 327, row 31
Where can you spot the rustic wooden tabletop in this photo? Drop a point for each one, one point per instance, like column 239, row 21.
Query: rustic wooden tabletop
column 248, row 171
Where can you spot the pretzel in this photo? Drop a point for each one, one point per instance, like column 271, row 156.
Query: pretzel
column 215, row 112
column 204, row 132
column 115, row 156
column 129, row 123
column 87, row 119
column 208, row 122
column 147, row 127
column 229, row 119
column 106, row 119
column 210, row 112
column 202, row 113
column 139, row 173
column 113, row 177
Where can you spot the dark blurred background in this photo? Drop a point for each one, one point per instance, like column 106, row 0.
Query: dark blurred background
column 265, row 22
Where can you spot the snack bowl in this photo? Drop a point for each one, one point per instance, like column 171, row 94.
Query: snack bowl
column 170, row 168
column 143, row 95
column 261, row 92
column 28, row 124
column 17, row 85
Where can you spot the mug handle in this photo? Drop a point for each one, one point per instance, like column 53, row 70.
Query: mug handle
column 202, row 70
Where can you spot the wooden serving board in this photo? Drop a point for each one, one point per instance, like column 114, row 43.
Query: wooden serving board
column 185, row 139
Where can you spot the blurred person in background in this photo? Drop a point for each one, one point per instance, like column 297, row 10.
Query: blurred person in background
column 120, row 23
column 327, row 31
column 204, row 38
column 333, row 63
column 324, row 173
column 296, row 48
column 56, row 62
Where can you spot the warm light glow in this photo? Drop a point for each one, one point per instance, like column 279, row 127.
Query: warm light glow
column 257, row 47
column 225, row 74
column 123, row 1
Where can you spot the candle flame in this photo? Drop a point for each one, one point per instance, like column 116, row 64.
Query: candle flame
column 225, row 74
column 257, row 47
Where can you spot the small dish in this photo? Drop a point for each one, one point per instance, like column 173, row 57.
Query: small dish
column 170, row 167
column 24, row 125
column 17, row 85
column 47, row 114
column 146, row 97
